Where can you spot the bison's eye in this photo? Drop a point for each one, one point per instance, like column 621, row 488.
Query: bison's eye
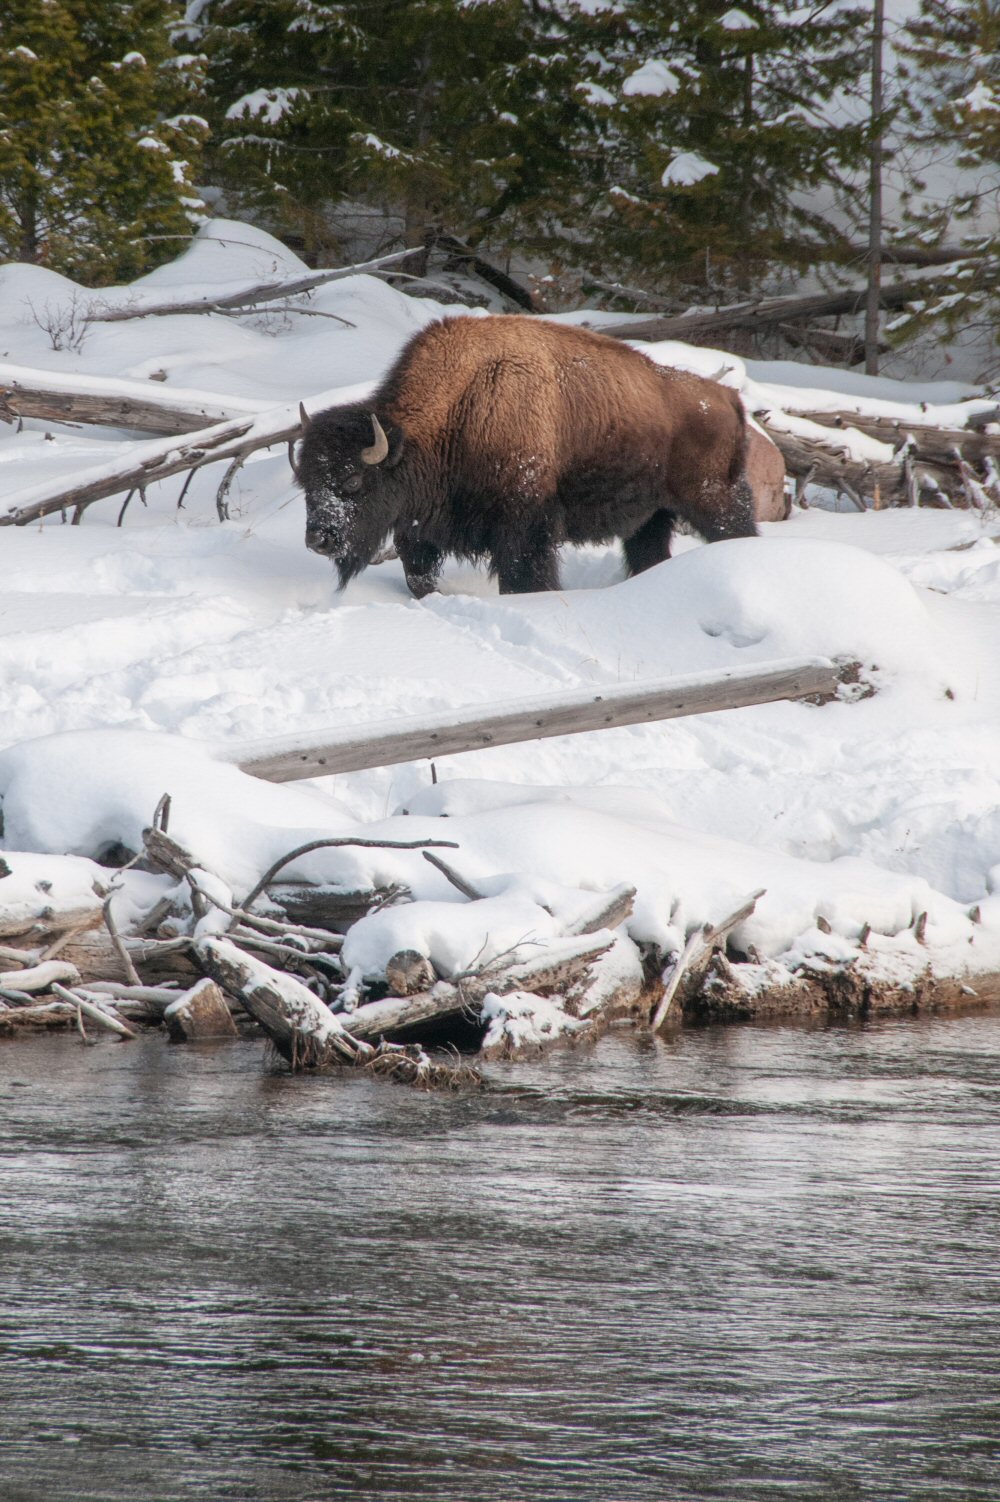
column 353, row 483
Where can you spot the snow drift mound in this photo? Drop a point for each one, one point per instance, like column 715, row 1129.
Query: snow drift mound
column 741, row 601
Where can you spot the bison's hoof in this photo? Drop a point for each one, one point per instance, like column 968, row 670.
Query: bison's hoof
column 420, row 585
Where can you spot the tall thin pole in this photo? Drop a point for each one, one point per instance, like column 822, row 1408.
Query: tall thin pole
column 875, row 196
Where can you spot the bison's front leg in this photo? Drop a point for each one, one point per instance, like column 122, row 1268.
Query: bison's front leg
column 421, row 564
column 525, row 562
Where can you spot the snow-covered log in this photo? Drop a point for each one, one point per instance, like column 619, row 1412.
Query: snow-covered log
column 929, row 443
column 244, row 297
column 767, row 312
column 62, row 397
column 302, row 1029
column 143, row 464
column 285, row 759
column 829, row 457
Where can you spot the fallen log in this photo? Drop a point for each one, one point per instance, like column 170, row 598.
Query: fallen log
column 40, row 977
column 395, row 1014
column 327, row 907
column 559, row 966
column 608, row 910
column 304, row 1031
column 155, row 999
column 822, row 458
column 57, row 397
column 49, row 1014
column 105, row 1016
column 257, row 292
column 383, row 744
column 765, row 313
column 50, row 923
column 930, row 444
column 144, row 464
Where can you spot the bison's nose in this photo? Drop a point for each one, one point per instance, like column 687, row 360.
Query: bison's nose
column 316, row 540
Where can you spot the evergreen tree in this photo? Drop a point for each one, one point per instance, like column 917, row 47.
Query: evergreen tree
column 452, row 113
column 97, row 148
column 727, row 153
column 952, row 58
column 676, row 141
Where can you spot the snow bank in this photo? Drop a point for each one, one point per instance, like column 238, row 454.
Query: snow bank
column 128, row 655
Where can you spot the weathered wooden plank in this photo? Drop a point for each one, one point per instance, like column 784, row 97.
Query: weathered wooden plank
column 384, row 744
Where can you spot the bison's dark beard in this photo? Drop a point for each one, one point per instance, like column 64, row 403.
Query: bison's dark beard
column 350, row 565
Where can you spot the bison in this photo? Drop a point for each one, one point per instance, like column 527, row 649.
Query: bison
column 499, row 438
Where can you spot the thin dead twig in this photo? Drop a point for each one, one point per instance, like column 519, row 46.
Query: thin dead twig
column 336, row 842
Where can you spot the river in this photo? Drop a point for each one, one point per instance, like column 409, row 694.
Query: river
column 746, row 1263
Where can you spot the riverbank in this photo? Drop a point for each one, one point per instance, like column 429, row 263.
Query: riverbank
column 381, row 978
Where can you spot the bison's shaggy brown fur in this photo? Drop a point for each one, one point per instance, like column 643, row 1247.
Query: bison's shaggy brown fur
column 500, row 438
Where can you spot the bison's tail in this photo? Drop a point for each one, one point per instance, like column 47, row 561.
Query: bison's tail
column 742, row 521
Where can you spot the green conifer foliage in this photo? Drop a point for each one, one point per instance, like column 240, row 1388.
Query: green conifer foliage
column 728, row 143
column 952, row 59
column 451, row 113
column 98, row 145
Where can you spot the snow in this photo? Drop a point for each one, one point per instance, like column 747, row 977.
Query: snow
column 738, row 20
column 267, row 105
column 981, row 97
column 520, row 1019
column 654, row 79
column 686, row 169
column 138, row 660
column 593, row 93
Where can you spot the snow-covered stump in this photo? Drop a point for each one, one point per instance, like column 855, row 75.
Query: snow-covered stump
column 199, row 1013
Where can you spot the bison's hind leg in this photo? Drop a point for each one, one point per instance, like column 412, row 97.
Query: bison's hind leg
column 651, row 544
column 421, row 564
column 731, row 514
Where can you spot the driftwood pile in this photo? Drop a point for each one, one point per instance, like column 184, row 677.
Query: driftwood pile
column 205, row 964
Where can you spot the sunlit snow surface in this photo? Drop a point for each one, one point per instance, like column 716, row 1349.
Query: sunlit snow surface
column 188, row 635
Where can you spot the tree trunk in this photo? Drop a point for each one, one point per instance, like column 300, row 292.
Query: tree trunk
column 874, row 287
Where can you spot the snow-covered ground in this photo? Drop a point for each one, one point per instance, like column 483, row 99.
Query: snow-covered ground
column 139, row 649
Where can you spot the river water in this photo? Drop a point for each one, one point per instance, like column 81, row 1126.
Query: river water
column 745, row 1264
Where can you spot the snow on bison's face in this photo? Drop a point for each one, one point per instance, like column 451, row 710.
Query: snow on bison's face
column 342, row 466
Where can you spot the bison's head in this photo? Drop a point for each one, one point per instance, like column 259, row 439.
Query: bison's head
column 343, row 464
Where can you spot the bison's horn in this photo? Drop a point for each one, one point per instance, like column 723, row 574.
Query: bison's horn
column 379, row 448
column 304, row 417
